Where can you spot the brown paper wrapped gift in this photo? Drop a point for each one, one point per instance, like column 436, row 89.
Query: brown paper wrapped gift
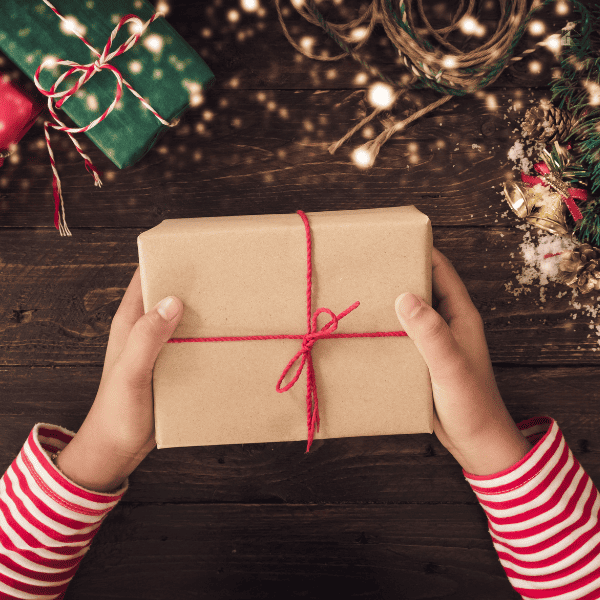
column 247, row 276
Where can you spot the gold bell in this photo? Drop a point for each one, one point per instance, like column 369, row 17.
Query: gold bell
column 519, row 198
column 551, row 210
column 551, row 216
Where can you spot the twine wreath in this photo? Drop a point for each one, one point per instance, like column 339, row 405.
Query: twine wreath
column 445, row 68
column 308, row 339
column 89, row 70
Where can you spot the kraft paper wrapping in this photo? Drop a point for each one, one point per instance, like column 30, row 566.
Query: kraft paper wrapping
column 246, row 275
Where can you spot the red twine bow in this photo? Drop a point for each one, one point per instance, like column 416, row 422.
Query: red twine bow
column 89, row 71
column 308, row 340
column 543, row 170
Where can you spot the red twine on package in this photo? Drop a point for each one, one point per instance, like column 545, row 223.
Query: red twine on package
column 543, row 170
column 89, row 71
column 308, row 340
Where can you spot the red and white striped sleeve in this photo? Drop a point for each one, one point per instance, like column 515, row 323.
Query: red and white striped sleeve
column 47, row 522
column 543, row 518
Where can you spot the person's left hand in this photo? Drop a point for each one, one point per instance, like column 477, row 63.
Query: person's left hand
column 118, row 432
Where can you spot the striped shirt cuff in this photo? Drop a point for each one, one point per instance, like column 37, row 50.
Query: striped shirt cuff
column 47, row 522
column 543, row 518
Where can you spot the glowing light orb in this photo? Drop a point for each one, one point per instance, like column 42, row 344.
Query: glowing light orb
column 362, row 158
column 163, row 7
column 71, row 26
column 359, row 33
column 307, row 43
column 233, row 16
column 361, row 79
column 50, row 62
column 154, row 43
column 92, row 102
column 135, row 66
column 449, row 62
column 535, row 66
column 196, row 99
column 381, row 95
column 593, row 90
column 562, row 7
column 135, row 28
column 298, row 3
column 250, row 5
column 471, row 26
column 553, row 43
column 468, row 25
column 537, row 28
column 491, row 102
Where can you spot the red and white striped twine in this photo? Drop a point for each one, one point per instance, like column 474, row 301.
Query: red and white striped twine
column 89, row 70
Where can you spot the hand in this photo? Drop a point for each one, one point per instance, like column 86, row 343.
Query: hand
column 470, row 418
column 118, row 432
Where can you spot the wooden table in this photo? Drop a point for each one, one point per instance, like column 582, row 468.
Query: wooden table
column 378, row 518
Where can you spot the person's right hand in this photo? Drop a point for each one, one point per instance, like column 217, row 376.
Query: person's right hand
column 470, row 418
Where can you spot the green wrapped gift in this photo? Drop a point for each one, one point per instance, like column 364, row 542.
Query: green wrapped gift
column 162, row 67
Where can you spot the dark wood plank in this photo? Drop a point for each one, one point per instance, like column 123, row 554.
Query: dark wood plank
column 252, row 53
column 251, row 551
column 257, row 152
column 386, row 469
column 59, row 295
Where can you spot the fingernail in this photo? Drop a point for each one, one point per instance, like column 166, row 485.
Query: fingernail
column 407, row 305
column 168, row 309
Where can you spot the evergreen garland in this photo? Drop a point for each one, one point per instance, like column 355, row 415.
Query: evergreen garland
column 578, row 83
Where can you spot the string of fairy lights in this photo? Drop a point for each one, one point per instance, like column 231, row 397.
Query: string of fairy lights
column 428, row 58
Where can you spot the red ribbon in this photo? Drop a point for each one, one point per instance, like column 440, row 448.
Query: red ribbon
column 88, row 70
column 543, row 169
column 308, row 340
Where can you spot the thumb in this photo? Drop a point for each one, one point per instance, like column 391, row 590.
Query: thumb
column 430, row 333
column 147, row 337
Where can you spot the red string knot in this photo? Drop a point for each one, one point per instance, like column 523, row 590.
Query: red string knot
column 98, row 65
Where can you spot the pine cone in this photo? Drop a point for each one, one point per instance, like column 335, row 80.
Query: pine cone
column 547, row 124
column 579, row 268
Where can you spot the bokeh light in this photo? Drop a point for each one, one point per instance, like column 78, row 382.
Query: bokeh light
column 307, row 43
column 71, row 26
column 593, row 90
column 553, row 43
column 381, row 95
column 537, row 27
column 163, row 7
column 471, row 26
column 491, row 102
column 359, row 33
column 250, row 5
column 449, row 62
column 233, row 16
column 562, row 7
column 535, row 66
column 154, row 43
column 362, row 158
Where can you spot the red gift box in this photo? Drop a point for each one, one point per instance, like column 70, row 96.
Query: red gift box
column 18, row 111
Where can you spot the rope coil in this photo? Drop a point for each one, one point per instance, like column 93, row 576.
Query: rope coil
column 445, row 69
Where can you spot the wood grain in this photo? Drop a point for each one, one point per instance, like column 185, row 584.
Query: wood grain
column 256, row 152
column 288, row 551
column 370, row 518
column 385, row 469
column 60, row 295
